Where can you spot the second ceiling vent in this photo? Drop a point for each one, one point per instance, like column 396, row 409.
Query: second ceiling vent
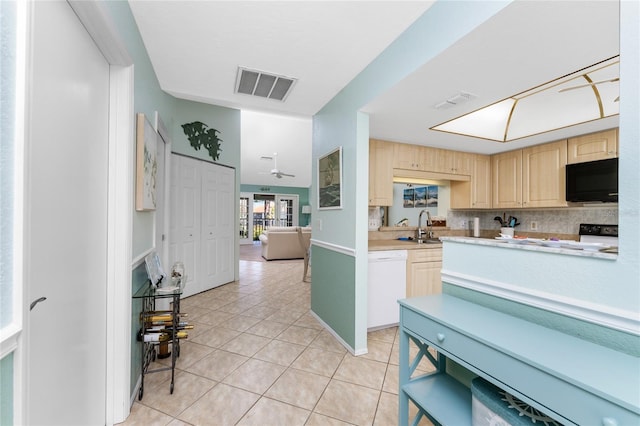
column 263, row 84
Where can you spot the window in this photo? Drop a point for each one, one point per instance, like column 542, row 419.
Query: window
column 12, row 52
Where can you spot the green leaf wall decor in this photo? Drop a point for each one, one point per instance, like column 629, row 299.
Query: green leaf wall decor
column 200, row 135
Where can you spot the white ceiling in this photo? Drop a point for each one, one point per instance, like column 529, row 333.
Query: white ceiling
column 196, row 47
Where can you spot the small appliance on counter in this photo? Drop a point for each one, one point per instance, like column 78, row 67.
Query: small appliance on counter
column 605, row 234
column 375, row 218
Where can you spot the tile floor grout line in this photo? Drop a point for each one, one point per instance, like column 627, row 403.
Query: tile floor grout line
column 261, row 287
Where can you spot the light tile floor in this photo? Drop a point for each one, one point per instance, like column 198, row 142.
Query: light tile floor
column 258, row 357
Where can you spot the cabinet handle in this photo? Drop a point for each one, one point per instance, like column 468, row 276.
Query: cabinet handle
column 440, row 337
column 608, row 421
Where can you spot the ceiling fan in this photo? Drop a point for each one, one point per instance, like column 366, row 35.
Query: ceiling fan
column 275, row 171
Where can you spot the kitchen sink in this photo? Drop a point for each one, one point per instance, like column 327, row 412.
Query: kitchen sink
column 431, row 241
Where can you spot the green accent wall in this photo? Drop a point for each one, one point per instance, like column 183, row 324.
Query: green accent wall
column 6, row 390
column 341, row 124
column 149, row 98
column 139, row 279
column 334, row 301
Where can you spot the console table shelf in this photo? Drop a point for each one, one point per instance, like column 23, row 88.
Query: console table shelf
column 446, row 400
column 569, row 379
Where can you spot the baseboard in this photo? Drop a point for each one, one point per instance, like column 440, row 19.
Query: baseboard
column 331, row 331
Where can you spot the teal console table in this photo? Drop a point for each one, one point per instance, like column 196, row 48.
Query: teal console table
column 569, row 379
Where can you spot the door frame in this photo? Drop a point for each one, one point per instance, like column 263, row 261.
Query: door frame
column 100, row 26
column 165, row 137
column 276, row 199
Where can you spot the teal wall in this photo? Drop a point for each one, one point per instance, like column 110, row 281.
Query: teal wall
column 225, row 120
column 139, row 279
column 335, row 300
column 340, row 124
column 148, row 98
column 6, row 390
column 302, row 193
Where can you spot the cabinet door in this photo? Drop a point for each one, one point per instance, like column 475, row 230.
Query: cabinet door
column 445, row 161
column 463, row 163
column 424, row 279
column 481, row 182
column 543, row 175
column 407, row 156
column 430, row 159
column 506, row 174
column 592, row 147
column 423, row 272
column 380, row 173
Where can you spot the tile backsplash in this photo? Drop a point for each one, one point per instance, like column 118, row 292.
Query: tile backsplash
column 558, row 220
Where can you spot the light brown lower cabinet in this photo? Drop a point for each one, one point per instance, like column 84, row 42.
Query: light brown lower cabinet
column 423, row 271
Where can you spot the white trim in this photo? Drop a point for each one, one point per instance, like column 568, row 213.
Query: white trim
column 140, row 258
column 334, row 247
column 102, row 30
column 9, row 336
column 616, row 319
column 24, row 31
column 338, row 338
column 121, row 127
column 165, row 137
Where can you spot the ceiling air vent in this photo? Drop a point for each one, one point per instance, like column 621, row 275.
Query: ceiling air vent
column 454, row 100
column 262, row 84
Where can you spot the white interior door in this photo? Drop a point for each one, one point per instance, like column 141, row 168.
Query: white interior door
column 66, row 225
column 218, row 220
column 185, row 218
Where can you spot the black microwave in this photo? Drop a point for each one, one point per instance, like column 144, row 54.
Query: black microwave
column 593, row 181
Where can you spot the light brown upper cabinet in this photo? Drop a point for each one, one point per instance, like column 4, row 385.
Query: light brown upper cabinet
column 380, row 173
column 409, row 157
column 530, row 177
column 592, row 147
column 543, row 175
column 475, row 193
column 506, row 174
column 464, row 162
column 452, row 162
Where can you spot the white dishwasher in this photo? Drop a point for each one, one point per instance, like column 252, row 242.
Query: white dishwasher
column 386, row 284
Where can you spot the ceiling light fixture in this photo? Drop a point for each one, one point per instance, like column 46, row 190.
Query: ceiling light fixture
column 263, row 84
column 585, row 95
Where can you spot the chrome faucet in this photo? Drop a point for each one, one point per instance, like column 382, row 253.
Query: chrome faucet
column 420, row 233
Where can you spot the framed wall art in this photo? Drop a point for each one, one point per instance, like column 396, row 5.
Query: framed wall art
column 330, row 180
column 408, row 198
column 146, row 164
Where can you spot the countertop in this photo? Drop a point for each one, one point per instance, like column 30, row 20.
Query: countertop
column 530, row 247
column 376, row 245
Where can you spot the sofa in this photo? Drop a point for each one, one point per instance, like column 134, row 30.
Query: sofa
column 281, row 242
